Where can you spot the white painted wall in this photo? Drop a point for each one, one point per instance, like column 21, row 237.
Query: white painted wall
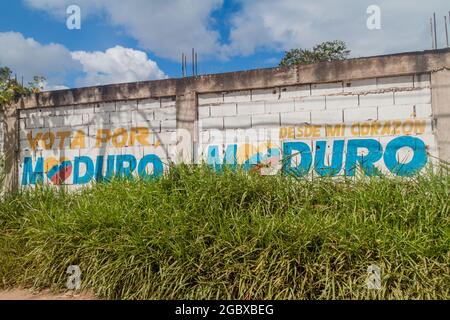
column 135, row 128
column 256, row 120
column 282, row 113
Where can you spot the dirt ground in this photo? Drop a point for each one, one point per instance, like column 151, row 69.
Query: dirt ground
column 25, row 294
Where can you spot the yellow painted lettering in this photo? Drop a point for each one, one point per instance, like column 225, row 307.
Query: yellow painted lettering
column 34, row 142
column 103, row 136
column 79, row 140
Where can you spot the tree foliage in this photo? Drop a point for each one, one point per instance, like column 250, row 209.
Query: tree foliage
column 326, row 51
column 11, row 89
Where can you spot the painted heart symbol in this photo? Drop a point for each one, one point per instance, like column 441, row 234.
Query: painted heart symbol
column 58, row 171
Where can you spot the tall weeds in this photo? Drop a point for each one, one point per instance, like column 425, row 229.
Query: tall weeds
column 197, row 234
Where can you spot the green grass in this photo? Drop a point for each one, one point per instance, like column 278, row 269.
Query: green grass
column 195, row 234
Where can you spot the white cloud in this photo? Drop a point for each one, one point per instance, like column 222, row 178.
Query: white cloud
column 286, row 24
column 29, row 58
column 116, row 65
column 165, row 28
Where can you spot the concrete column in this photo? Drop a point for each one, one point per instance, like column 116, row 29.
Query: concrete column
column 11, row 148
column 440, row 90
column 187, row 108
column 187, row 112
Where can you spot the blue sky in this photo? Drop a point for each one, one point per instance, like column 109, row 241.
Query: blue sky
column 133, row 40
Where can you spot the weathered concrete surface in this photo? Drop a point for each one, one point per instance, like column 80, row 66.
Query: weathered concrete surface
column 187, row 113
column 320, row 79
column 380, row 66
column 11, row 148
column 361, row 68
column 440, row 84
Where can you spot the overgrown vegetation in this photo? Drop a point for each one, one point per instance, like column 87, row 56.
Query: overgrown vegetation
column 325, row 51
column 196, row 234
column 11, row 89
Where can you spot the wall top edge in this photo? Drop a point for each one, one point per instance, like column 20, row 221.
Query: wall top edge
column 351, row 69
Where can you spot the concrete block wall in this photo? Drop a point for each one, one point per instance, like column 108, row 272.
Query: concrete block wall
column 379, row 110
column 385, row 114
column 75, row 145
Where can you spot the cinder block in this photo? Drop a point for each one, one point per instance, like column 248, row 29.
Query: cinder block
column 142, row 116
column 68, row 110
column 210, row 98
column 295, row 118
column 251, row 108
column 310, row 103
column 360, row 114
column 97, row 118
column 168, row 124
column 237, row 96
column 122, row 106
column 295, row 91
column 423, row 111
column 265, row 134
column 137, row 151
column 60, row 121
column 363, row 85
column 421, row 96
column 81, row 110
column 326, row 117
column 244, row 135
column 266, row 120
column 238, row 122
column 322, row 89
column 167, row 113
column 204, row 136
column 203, row 112
column 217, row 136
column 212, row 137
column 92, row 130
column 152, row 103
column 341, row 102
column 166, row 138
column 281, row 106
column 211, row 123
column 223, row 110
column 51, row 122
column 265, row 94
column 105, row 107
column 155, row 125
column 34, row 122
column 396, row 112
column 422, row 80
column 119, row 118
column 168, row 102
column 395, row 82
column 226, row 136
column 376, row 99
column 35, row 113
